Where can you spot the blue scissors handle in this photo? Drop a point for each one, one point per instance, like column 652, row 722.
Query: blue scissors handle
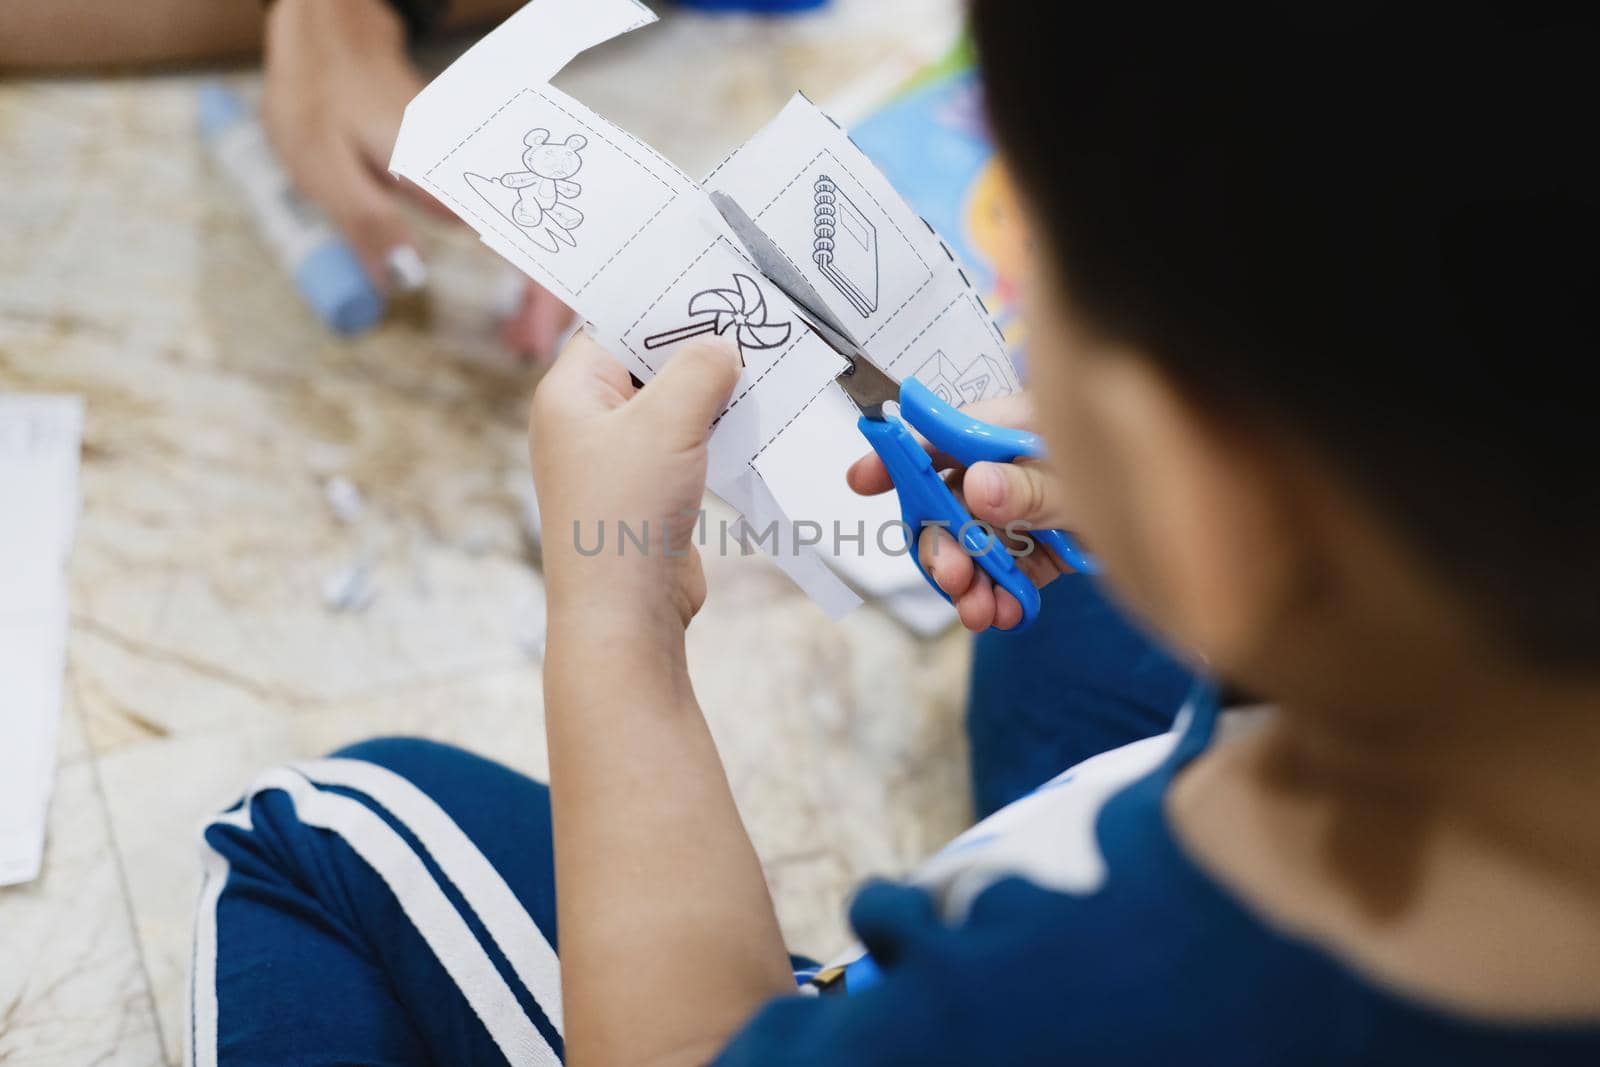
column 968, row 440
column 926, row 500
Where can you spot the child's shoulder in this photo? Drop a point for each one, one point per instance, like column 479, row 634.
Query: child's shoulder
column 1393, row 890
column 1075, row 924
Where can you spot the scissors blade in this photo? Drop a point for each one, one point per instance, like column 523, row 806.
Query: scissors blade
column 770, row 260
column 862, row 380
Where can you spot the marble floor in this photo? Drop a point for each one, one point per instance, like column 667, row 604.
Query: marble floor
column 217, row 414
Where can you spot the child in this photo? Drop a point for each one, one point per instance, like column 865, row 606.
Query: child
column 1299, row 326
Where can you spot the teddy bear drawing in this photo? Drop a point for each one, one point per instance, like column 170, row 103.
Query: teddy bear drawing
column 545, row 188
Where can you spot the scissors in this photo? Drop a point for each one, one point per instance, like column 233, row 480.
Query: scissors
column 925, row 499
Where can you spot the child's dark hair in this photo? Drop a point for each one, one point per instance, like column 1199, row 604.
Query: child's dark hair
column 1367, row 229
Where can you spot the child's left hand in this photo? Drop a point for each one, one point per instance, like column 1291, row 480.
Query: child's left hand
column 605, row 452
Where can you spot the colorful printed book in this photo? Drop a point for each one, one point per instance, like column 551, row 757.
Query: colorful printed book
column 931, row 142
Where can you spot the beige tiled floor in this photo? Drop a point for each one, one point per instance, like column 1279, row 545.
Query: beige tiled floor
column 200, row 650
column 72, row 985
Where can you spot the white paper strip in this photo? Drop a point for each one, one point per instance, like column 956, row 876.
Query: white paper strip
column 39, row 438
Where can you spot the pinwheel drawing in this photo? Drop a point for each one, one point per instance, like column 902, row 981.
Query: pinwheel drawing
column 742, row 309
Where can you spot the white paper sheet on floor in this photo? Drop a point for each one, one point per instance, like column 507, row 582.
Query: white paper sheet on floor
column 39, row 438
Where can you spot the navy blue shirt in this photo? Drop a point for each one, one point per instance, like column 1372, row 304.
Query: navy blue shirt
column 1071, row 927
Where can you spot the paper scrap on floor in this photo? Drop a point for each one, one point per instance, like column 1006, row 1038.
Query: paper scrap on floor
column 38, row 507
column 632, row 243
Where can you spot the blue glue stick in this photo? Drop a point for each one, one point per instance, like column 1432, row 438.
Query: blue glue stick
column 324, row 268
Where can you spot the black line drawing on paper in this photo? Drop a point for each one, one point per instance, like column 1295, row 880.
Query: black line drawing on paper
column 846, row 246
column 956, row 385
column 742, row 309
column 538, row 198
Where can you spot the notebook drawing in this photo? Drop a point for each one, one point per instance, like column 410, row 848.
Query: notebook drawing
column 846, row 246
column 959, row 385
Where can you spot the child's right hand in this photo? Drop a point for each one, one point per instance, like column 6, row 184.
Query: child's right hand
column 1000, row 494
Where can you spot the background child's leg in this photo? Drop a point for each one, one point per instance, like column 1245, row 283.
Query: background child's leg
column 392, row 905
column 1080, row 681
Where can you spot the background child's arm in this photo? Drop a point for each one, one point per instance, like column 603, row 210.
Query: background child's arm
column 668, row 937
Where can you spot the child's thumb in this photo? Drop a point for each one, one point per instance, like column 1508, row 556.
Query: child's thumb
column 1005, row 493
column 691, row 391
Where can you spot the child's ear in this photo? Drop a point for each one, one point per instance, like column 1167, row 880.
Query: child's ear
column 536, row 138
column 1209, row 540
column 577, row 141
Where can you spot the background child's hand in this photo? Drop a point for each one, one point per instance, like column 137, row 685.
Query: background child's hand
column 997, row 493
column 337, row 81
column 605, row 452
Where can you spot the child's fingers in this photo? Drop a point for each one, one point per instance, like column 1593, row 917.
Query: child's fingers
column 978, row 602
column 693, row 386
column 1007, row 611
column 1003, row 493
column 977, row 605
column 585, row 381
column 1037, row 562
column 868, row 476
column 363, row 206
column 1040, row 564
column 950, row 568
